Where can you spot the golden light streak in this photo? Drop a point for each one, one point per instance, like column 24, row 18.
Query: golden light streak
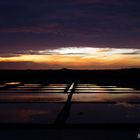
column 82, row 57
column 12, row 83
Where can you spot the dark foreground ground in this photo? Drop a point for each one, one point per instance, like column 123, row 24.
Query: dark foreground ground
column 111, row 113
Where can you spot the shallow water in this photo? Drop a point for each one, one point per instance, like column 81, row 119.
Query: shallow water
column 89, row 103
column 29, row 113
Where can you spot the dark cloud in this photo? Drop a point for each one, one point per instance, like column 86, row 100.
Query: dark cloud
column 40, row 24
column 137, row 52
column 23, row 65
column 50, row 28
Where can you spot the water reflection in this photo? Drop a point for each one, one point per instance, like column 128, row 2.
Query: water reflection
column 2, row 86
column 108, row 88
column 89, row 113
column 29, row 113
column 105, row 97
column 88, row 88
column 37, row 92
column 54, row 88
column 24, row 115
column 12, row 83
column 30, row 86
column 35, row 88
column 33, row 97
column 28, row 92
column 88, row 103
column 125, row 104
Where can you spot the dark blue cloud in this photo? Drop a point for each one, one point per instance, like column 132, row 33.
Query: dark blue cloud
column 24, row 24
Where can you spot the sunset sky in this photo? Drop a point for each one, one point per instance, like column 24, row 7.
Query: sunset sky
column 76, row 34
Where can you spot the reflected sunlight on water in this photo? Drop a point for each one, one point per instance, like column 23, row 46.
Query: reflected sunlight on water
column 42, row 103
column 12, row 83
column 56, row 92
column 29, row 113
column 105, row 97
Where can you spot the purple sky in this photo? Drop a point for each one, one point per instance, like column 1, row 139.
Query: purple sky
column 51, row 24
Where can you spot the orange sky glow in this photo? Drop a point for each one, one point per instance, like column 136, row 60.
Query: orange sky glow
column 79, row 58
